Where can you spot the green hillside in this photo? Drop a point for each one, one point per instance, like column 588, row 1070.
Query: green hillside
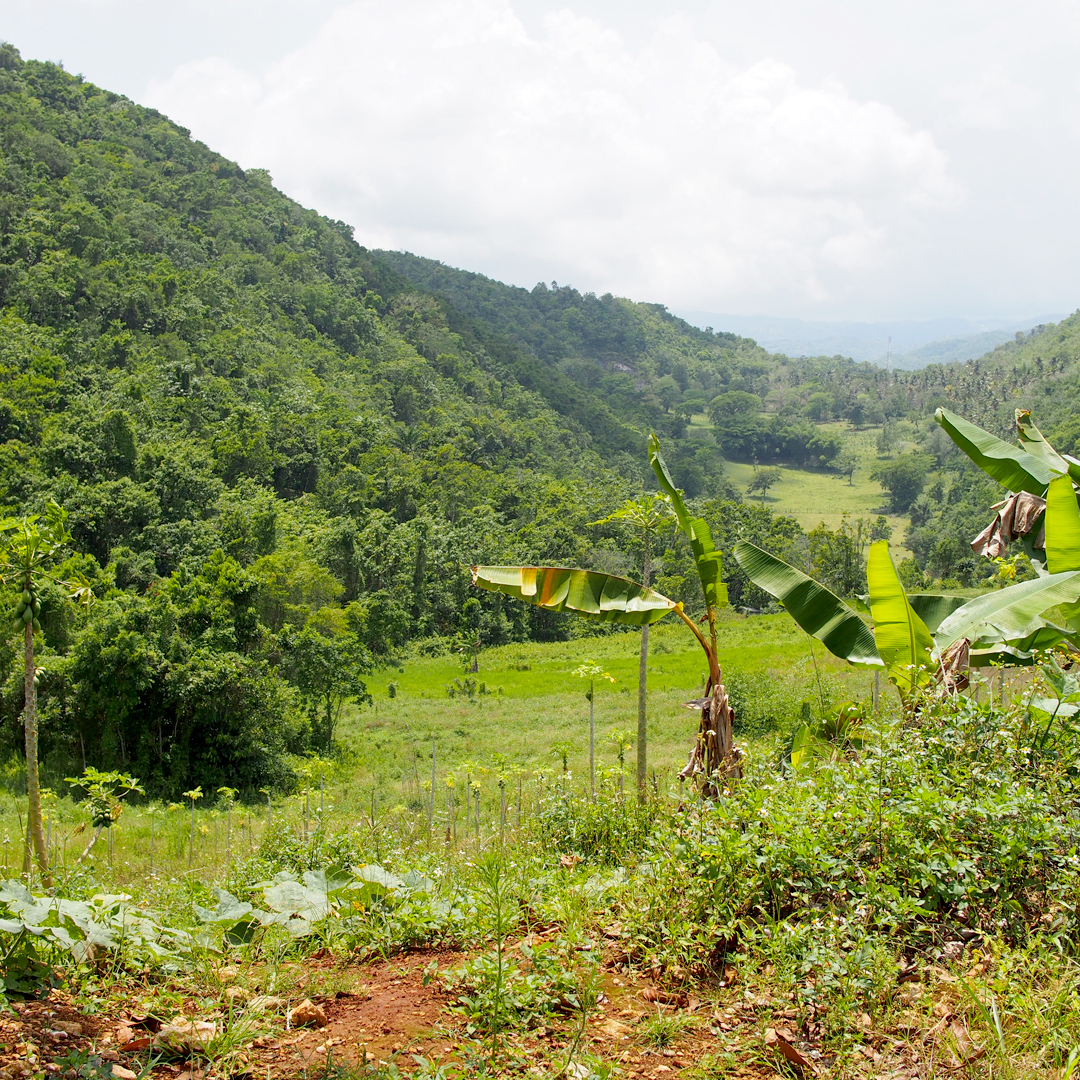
column 281, row 451
column 279, row 454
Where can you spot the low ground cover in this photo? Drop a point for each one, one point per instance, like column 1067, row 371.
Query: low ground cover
column 906, row 906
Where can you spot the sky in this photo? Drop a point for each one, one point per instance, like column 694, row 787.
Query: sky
column 836, row 160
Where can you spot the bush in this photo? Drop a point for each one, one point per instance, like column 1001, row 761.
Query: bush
column 962, row 825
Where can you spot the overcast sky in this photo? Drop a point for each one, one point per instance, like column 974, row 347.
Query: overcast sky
column 833, row 160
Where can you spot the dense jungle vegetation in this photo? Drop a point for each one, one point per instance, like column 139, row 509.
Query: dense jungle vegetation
column 279, row 450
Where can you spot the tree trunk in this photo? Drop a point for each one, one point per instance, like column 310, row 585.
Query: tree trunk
column 592, row 743
column 642, row 723
column 642, row 720
column 33, row 787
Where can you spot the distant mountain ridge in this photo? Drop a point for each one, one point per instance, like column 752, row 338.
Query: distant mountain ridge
column 915, row 343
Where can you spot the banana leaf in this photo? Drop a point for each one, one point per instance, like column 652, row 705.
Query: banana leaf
column 818, row 611
column 1009, row 615
column 585, row 592
column 933, row 608
column 1062, row 526
column 1021, row 652
column 1009, row 465
column 902, row 639
column 707, row 559
column 1033, row 441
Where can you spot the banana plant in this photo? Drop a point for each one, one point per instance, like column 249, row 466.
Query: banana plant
column 1036, row 476
column 608, row 598
column 920, row 636
column 1034, row 469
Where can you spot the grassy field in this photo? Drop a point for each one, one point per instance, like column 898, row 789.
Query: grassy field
column 526, row 701
column 816, row 496
column 547, row 926
column 813, row 496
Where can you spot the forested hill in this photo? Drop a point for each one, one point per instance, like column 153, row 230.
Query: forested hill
column 604, row 343
column 280, row 451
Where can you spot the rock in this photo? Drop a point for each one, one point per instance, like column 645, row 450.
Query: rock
column 235, row 994
column 123, row 1074
column 184, row 1035
column 615, row 1029
column 308, row 1014
column 227, row 974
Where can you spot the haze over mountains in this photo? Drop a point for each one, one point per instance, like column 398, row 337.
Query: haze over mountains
column 915, row 343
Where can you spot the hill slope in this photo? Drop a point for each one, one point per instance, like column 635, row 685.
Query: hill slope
column 280, row 451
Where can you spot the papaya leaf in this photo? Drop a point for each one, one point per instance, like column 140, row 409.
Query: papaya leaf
column 818, row 611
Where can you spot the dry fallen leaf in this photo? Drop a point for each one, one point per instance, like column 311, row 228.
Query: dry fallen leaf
column 782, row 1045
column 964, row 1043
column 143, row 1043
column 663, row 997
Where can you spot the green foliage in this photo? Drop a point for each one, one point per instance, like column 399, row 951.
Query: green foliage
column 36, row 929
column 602, row 830
column 104, row 790
column 946, row 826
column 903, row 478
column 549, row 981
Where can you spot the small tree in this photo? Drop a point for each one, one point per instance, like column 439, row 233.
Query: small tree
column 903, row 478
column 104, row 790
column 229, row 795
column 327, row 671
column 193, row 796
column 888, row 438
column 29, row 546
column 648, row 514
column 561, row 749
column 845, row 464
column 764, row 477
column 592, row 672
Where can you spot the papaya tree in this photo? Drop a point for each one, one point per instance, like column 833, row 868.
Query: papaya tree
column 29, row 546
column 609, row 598
column 647, row 514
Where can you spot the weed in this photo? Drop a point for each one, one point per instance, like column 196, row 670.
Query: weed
column 663, row 1029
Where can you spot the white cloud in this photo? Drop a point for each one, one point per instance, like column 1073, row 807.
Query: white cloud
column 659, row 170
